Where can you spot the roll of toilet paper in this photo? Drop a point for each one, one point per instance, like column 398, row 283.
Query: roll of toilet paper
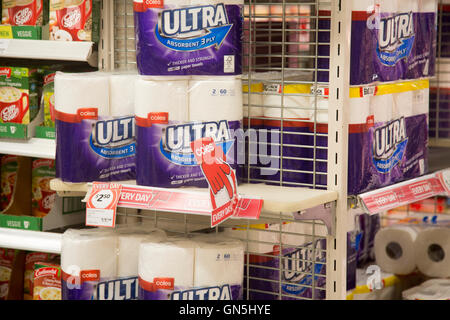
column 421, row 99
column 259, row 238
column 218, row 261
column 215, row 99
column 382, row 107
column 162, row 96
column 252, row 98
column 82, row 90
column 94, row 249
column 395, row 249
column 433, row 252
column 169, row 259
column 129, row 241
column 296, row 102
column 121, row 88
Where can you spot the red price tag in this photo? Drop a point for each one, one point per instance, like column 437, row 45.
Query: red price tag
column 102, row 204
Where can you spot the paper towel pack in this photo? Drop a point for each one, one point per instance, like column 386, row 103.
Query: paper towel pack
column 87, row 257
column 377, row 55
column 202, row 267
column 174, row 46
column 172, row 114
column 95, row 127
column 434, row 289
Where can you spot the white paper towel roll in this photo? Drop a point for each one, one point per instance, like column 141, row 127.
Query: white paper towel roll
column 394, row 249
column 218, row 261
column 129, row 241
column 121, row 89
column 89, row 250
column 433, row 252
column 215, row 99
column 381, row 107
column 170, row 259
column 162, row 96
column 82, row 90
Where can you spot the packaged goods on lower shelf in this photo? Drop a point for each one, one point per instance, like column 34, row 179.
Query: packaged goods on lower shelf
column 47, row 281
column 19, row 94
column 388, row 134
column 6, row 265
column 136, row 263
column 403, row 249
column 9, row 166
column 29, row 275
column 434, row 289
column 43, row 198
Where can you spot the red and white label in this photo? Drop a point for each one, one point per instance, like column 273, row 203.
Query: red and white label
column 102, row 204
column 407, row 192
column 89, row 275
column 153, row 118
column 82, row 114
column 5, row 72
column 143, row 5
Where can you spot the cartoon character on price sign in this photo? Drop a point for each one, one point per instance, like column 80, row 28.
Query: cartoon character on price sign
column 220, row 176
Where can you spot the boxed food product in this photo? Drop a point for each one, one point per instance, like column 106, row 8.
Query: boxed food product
column 19, row 90
column 47, row 281
column 23, row 19
column 43, row 170
column 74, row 20
column 31, row 259
column 6, row 265
column 9, row 167
column 48, row 99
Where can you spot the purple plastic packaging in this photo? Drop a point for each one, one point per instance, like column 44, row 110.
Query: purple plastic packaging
column 189, row 40
column 409, row 54
column 158, row 165
column 96, row 150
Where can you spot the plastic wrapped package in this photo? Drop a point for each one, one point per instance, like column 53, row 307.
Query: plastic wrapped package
column 203, row 267
column 182, row 111
column 95, row 121
column 391, row 40
column 208, row 42
column 434, row 289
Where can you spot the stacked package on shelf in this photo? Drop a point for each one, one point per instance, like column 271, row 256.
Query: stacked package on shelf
column 94, row 114
column 189, row 95
column 29, row 274
column 134, row 263
column 23, row 19
column 43, row 198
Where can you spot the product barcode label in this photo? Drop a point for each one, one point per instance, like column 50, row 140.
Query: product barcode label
column 228, row 63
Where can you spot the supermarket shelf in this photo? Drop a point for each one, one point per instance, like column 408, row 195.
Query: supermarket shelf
column 30, row 240
column 406, row 192
column 34, row 147
column 438, row 158
column 445, row 143
column 49, row 50
column 276, row 199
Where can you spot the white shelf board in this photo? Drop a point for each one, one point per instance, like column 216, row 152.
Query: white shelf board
column 30, row 240
column 34, row 147
column 276, row 199
column 49, row 50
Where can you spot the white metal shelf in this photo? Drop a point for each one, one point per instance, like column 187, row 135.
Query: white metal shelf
column 30, row 240
column 49, row 50
column 34, row 147
column 276, row 199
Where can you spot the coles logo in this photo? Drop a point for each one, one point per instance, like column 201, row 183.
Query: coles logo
column 164, row 283
column 204, row 150
column 23, row 16
column 9, row 113
column 90, row 275
column 72, row 18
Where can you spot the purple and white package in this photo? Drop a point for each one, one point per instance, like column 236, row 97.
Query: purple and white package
column 389, row 41
column 170, row 114
column 188, row 37
column 191, row 269
column 93, row 144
